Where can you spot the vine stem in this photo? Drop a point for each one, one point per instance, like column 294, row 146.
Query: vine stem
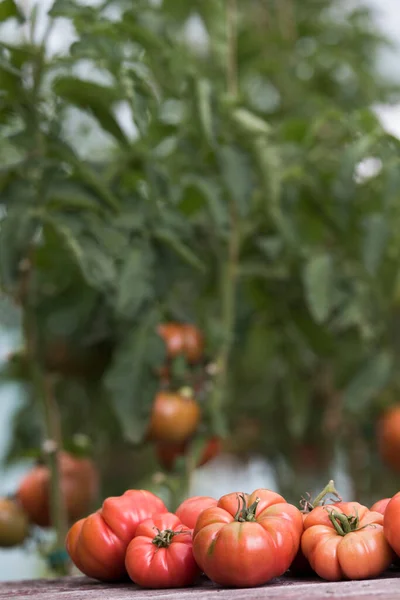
column 229, row 270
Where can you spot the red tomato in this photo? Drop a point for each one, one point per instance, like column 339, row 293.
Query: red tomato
column 380, row 506
column 392, row 523
column 168, row 453
column 388, row 433
column 174, row 418
column 97, row 544
column 182, row 339
column 190, row 509
column 79, row 486
column 346, row 542
column 160, row 555
column 246, row 540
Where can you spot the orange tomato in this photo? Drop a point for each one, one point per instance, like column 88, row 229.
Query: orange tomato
column 174, row 418
column 388, row 433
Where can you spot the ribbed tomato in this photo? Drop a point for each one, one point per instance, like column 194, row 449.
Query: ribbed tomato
column 79, row 486
column 346, row 542
column 246, row 540
column 190, row 509
column 160, row 555
column 381, row 505
column 392, row 523
column 97, row 544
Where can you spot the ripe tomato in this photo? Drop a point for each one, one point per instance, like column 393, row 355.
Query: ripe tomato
column 380, row 506
column 392, row 523
column 183, row 339
column 174, row 418
column 388, row 433
column 168, row 453
column 346, row 542
column 14, row 524
column 160, row 555
column 97, row 544
column 246, row 540
column 79, row 485
column 189, row 510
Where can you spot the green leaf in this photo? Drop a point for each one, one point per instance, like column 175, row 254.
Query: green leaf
column 16, row 231
column 369, row 381
column 204, row 94
column 170, row 239
column 94, row 98
column 374, row 243
column 210, row 194
column 237, row 176
column 250, row 123
column 9, row 10
column 135, row 285
column 318, row 278
column 132, row 381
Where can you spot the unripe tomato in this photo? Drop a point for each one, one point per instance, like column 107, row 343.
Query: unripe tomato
column 389, row 437
column 174, row 418
column 168, row 453
column 14, row 524
column 182, row 339
column 79, row 485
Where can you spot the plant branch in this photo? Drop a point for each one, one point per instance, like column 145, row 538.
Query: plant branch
column 231, row 25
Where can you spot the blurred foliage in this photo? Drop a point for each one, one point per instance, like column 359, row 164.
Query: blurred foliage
column 233, row 200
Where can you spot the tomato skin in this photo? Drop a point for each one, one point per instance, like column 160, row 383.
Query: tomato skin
column 381, row 505
column 360, row 554
column 250, row 553
column 79, row 486
column 97, row 544
column 155, row 567
column 14, row 524
column 189, row 510
column 388, row 434
column 182, row 339
column 392, row 523
column 174, row 418
column 167, row 454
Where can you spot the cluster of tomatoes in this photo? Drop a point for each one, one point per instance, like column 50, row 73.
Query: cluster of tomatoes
column 239, row 540
column 176, row 415
column 31, row 504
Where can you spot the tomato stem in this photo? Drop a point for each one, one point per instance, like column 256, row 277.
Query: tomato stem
column 164, row 538
column 307, row 504
column 245, row 513
column 344, row 524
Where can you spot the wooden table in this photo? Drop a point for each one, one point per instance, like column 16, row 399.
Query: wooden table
column 284, row 588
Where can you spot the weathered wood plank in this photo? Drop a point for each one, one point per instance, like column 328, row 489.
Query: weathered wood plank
column 284, row 588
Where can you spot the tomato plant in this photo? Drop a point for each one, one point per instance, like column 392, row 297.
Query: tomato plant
column 160, row 555
column 79, row 487
column 346, row 542
column 246, row 540
column 182, row 339
column 97, row 544
column 14, row 524
column 174, row 417
column 389, row 437
column 381, row 505
column 189, row 510
column 167, row 454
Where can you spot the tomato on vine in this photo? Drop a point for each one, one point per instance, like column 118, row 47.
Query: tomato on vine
column 388, row 433
column 167, row 453
column 182, row 339
column 14, row 524
column 160, row 555
column 174, row 417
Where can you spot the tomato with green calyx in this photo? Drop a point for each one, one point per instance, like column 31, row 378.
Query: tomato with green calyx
column 189, row 510
column 97, row 544
column 346, row 542
column 14, row 524
column 329, row 495
column 167, row 454
column 79, row 487
column 246, row 540
column 174, row 417
column 182, row 339
column 160, row 555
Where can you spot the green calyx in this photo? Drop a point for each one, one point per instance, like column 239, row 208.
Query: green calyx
column 344, row 524
column 246, row 513
column 164, row 538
